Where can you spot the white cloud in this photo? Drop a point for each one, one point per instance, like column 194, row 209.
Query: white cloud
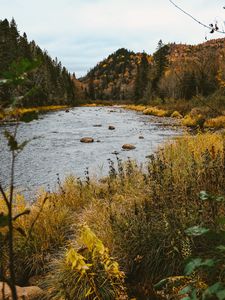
column 82, row 32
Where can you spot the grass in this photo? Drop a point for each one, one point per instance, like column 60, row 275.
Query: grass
column 218, row 122
column 10, row 114
column 139, row 215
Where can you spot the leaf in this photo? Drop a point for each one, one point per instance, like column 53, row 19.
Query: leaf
column 196, row 231
column 215, row 289
column 185, row 290
column 221, row 248
column 3, row 220
column 23, row 145
column 221, row 294
column 12, row 142
column 220, row 198
column 29, row 116
column 197, row 263
column 161, row 284
column 203, row 195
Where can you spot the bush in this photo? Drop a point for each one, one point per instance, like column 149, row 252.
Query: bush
column 87, row 272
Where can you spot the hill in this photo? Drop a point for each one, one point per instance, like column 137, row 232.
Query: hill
column 49, row 83
column 174, row 71
column 114, row 78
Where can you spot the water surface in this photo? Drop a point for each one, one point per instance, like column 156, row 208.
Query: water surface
column 58, row 149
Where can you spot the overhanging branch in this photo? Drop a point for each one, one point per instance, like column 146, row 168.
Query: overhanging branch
column 210, row 27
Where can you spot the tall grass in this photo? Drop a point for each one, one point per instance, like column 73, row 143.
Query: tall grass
column 139, row 215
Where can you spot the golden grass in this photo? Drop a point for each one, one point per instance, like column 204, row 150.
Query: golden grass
column 136, row 214
column 193, row 120
column 148, row 110
column 218, row 122
column 176, row 114
column 12, row 113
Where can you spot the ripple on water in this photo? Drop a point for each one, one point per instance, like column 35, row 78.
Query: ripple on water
column 58, row 148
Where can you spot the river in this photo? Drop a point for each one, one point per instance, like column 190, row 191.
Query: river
column 58, row 149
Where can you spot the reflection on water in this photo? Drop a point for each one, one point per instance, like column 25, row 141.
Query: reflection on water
column 59, row 150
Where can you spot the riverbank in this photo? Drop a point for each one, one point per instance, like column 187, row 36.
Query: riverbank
column 187, row 113
column 196, row 117
column 140, row 217
column 11, row 114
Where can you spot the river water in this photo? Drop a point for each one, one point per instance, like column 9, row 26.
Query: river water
column 58, row 149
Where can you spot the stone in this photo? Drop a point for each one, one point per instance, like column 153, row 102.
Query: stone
column 67, row 110
column 128, row 147
column 141, row 137
column 97, row 125
column 115, row 152
column 111, row 127
column 87, row 140
column 23, row 293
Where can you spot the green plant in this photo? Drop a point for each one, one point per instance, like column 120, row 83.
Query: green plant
column 209, row 266
column 86, row 272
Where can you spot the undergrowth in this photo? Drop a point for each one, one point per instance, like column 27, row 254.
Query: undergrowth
column 139, row 215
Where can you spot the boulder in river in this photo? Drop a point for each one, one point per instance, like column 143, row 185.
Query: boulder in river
column 97, row 125
column 87, row 140
column 141, row 137
column 23, row 293
column 128, row 147
column 111, row 127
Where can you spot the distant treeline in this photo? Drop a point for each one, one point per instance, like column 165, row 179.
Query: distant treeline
column 47, row 84
column 174, row 71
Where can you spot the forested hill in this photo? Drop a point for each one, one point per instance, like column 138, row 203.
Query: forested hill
column 174, row 71
column 49, row 83
column 115, row 78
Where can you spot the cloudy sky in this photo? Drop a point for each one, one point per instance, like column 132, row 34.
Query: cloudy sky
column 83, row 32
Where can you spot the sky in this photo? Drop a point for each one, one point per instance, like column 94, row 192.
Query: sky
column 80, row 33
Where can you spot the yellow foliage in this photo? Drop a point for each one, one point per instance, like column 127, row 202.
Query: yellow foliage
column 156, row 112
column 77, row 261
column 176, row 114
column 218, row 122
column 193, row 120
column 12, row 113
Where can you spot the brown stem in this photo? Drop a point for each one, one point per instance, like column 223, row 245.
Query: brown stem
column 10, row 237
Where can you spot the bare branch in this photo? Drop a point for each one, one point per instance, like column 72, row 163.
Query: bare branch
column 210, row 27
column 25, row 212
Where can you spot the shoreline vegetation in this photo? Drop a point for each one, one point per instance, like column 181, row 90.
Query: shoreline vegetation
column 194, row 117
column 10, row 114
column 190, row 117
column 117, row 237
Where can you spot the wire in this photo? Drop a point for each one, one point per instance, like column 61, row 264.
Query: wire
column 193, row 18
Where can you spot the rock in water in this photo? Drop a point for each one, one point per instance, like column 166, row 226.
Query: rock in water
column 128, row 147
column 111, row 127
column 87, row 140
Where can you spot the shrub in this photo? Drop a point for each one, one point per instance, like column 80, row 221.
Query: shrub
column 218, row 122
column 177, row 115
column 87, row 272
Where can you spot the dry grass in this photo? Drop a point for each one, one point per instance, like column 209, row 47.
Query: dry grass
column 218, row 122
column 140, row 216
column 9, row 114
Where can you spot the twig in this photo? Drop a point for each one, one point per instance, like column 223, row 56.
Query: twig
column 196, row 20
